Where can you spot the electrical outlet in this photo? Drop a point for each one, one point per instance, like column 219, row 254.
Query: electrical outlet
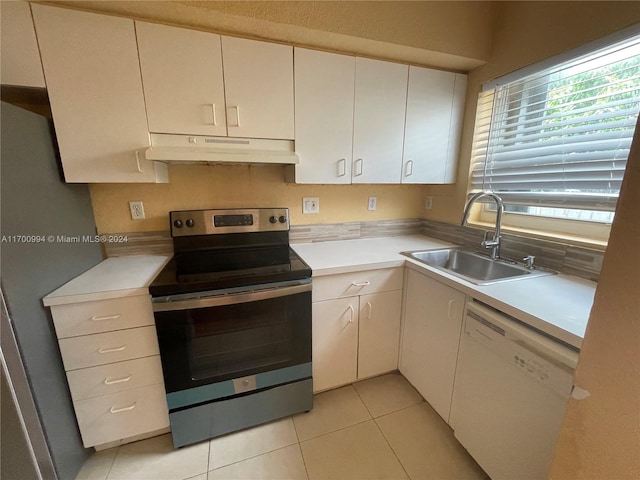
column 428, row 202
column 137, row 210
column 310, row 205
column 372, row 203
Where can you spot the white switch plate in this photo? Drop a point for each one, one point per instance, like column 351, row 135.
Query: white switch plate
column 428, row 203
column 372, row 203
column 310, row 204
column 137, row 210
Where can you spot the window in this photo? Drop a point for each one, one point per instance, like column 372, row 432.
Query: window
column 555, row 142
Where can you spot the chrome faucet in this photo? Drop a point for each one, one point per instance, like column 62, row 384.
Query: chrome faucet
column 494, row 243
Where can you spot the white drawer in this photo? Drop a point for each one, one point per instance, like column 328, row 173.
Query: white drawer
column 356, row 283
column 109, row 347
column 114, row 377
column 86, row 318
column 121, row 415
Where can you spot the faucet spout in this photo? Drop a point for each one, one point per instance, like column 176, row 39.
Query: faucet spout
column 494, row 243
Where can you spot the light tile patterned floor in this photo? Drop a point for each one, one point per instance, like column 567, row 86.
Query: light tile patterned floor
column 375, row 429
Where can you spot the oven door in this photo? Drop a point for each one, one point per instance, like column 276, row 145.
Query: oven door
column 222, row 343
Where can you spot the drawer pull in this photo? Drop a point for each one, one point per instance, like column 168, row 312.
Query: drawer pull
column 106, row 317
column 110, row 350
column 123, row 409
column 360, row 284
column 108, row 381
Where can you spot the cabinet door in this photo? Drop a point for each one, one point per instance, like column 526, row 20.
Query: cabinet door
column 379, row 333
column 435, row 106
column 324, row 116
column 429, row 123
column 335, row 343
column 93, row 79
column 378, row 128
column 182, row 78
column 432, row 323
column 20, row 56
column 258, row 78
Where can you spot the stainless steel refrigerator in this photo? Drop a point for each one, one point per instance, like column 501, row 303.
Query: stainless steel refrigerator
column 35, row 202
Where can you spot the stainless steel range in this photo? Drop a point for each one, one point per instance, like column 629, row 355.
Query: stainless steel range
column 233, row 315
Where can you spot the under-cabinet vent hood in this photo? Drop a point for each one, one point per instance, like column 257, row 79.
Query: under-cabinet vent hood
column 196, row 149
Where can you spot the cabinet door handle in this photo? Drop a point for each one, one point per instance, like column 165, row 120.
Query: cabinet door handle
column 139, row 167
column 123, row 409
column 237, row 109
column 452, row 304
column 342, row 167
column 351, row 313
column 370, row 307
column 213, row 114
column 106, row 317
column 358, row 171
column 110, row 350
column 108, row 381
column 408, row 171
column 361, row 284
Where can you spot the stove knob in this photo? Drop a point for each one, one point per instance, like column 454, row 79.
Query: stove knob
column 273, row 219
column 190, row 223
column 177, row 224
column 283, row 219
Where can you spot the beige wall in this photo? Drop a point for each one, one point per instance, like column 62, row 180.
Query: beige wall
column 223, row 186
column 600, row 437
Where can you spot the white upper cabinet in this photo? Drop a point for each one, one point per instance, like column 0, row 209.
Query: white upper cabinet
column 93, row 79
column 324, row 85
column 435, row 100
column 258, row 78
column 20, row 56
column 182, row 78
column 379, row 114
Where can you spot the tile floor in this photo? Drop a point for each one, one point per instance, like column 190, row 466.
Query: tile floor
column 375, row 429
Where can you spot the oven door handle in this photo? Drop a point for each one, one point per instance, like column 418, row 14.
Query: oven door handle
column 229, row 299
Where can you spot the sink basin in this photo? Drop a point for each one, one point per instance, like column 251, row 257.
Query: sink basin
column 474, row 267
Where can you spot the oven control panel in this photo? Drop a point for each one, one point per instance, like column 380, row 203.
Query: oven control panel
column 210, row 222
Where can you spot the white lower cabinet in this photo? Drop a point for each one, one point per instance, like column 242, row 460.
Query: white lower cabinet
column 113, row 369
column 356, row 336
column 379, row 333
column 433, row 314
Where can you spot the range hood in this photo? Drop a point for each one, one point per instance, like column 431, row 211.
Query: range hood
column 197, row 149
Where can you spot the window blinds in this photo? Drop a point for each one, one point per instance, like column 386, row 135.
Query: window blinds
column 560, row 137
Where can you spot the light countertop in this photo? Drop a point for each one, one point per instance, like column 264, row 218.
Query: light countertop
column 558, row 305
column 114, row 277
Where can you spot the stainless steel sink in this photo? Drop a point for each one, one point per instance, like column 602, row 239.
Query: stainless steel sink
column 474, row 267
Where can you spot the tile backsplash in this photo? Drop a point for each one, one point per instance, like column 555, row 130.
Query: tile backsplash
column 557, row 255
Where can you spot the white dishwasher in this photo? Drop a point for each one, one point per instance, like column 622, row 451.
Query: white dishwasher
column 510, row 393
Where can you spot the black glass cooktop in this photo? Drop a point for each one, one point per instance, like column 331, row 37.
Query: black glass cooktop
column 218, row 268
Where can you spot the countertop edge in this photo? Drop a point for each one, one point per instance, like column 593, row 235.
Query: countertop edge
column 65, row 295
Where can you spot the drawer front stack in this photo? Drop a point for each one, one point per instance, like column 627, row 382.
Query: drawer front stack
column 110, row 353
